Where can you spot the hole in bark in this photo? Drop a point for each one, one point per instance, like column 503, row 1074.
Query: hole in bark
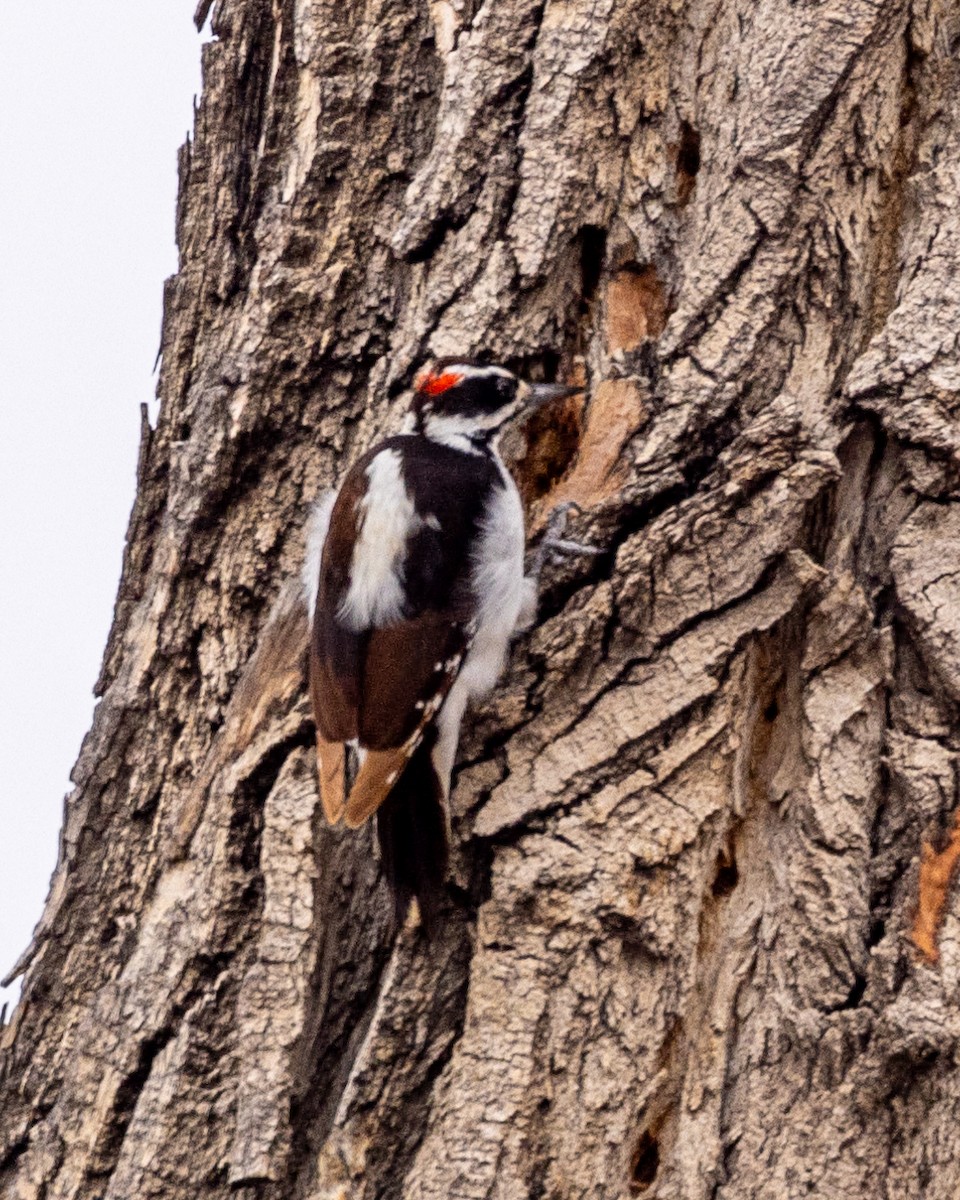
column 539, row 368
column 878, row 930
column 714, row 439
column 549, row 442
column 688, row 162
column 645, row 1163
column 883, row 606
column 727, row 876
column 772, row 711
column 688, row 156
column 593, row 251
column 552, row 441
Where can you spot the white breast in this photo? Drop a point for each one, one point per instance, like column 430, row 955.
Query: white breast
column 499, row 583
column 504, row 596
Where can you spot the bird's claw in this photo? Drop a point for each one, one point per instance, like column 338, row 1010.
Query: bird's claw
column 561, row 546
column 553, row 544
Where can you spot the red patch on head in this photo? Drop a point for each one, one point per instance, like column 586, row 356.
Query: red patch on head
column 434, row 385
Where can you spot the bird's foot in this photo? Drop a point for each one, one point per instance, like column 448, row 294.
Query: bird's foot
column 553, row 545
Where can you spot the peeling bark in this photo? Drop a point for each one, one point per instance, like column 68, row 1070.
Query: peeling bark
column 706, row 823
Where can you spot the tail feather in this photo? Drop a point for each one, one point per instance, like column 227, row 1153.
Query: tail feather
column 331, row 767
column 412, row 831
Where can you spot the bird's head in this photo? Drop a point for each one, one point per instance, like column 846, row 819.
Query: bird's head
column 457, row 402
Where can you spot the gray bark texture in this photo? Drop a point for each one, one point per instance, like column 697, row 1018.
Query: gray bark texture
column 702, row 941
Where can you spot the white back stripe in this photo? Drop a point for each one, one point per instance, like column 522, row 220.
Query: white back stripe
column 387, row 521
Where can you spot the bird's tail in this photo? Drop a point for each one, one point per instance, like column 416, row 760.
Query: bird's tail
column 412, row 831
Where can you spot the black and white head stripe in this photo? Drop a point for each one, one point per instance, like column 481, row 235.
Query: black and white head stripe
column 463, row 403
column 443, row 373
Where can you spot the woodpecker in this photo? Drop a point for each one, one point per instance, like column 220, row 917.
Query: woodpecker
column 414, row 579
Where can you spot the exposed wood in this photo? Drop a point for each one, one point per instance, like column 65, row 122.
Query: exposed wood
column 938, row 870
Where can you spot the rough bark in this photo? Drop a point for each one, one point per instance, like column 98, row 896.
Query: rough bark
column 702, row 940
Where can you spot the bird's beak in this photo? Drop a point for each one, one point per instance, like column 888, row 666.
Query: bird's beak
column 539, row 394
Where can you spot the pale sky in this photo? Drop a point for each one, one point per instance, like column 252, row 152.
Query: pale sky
column 96, row 97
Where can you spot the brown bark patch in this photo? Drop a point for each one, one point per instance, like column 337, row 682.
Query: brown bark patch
column 614, row 414
column 637, row 307
column 552, row 441
column 937, row 870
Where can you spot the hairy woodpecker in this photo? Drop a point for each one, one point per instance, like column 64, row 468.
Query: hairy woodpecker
column 415, row 585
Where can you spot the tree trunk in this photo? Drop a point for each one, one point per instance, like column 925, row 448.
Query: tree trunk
column 701, row 940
